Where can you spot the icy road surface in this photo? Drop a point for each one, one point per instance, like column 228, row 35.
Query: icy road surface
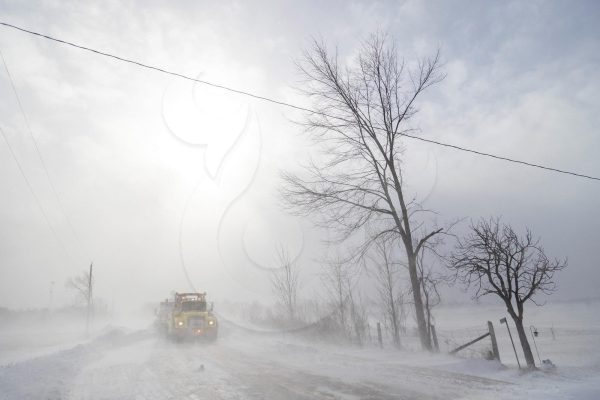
column 141, row 365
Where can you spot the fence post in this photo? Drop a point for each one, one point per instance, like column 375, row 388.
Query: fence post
column 379, row 335
column 494, row 342
column 504, row 321
column 435, row 341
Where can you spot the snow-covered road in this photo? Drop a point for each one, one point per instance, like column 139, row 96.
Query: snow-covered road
column 141, row 365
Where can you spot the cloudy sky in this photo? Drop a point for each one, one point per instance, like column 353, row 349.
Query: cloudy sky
column 165, row 184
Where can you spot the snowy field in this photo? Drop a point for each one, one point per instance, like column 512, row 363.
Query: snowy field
column 54, row 361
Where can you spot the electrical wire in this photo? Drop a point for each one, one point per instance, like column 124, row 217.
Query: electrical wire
column 35, row 197
column 293, row 106
column 37, row 149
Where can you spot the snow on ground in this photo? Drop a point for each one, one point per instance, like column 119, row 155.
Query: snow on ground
column 137, row 364
column 23, row 338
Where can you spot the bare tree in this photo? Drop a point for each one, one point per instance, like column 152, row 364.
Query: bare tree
column 285, row 282
column 339, row 278
column 387, row 277
column 362, row 112
column 358, row 315
column 82, row 286
column 494, row 259
column 429, row 287
column 336, row 278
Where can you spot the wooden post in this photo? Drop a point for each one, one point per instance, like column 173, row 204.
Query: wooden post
column 494, row 342
column 435, row 340
column 504, row 321
column 464, row 346
column 379, row 335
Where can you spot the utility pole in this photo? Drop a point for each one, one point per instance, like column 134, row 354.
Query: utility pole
column 89, row 301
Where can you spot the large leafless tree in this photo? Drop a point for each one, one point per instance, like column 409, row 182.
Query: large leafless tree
column 361, row 113
column 495, row 260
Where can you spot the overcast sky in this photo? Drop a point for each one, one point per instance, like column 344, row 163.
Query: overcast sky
column 154, row 173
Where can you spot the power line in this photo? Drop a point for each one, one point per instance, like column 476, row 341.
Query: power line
column 503, row 158
column 293, row 106
column 35, row 197
column 37, row 149
column 140, row 64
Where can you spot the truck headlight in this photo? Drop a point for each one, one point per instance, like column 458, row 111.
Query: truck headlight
column 211, row 322
column 180, row 323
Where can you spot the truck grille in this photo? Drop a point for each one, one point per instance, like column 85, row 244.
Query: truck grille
column 196, row 322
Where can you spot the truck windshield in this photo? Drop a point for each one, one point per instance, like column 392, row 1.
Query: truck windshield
column 193, row 306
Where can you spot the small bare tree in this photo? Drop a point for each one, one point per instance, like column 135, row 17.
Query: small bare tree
column 285, row 282
column 82, row 285
column 494, row 259
column 430, row 282
column 358, row 316
column 387, row 277
column 362, row 113
column 336, row 278
column 339, row 278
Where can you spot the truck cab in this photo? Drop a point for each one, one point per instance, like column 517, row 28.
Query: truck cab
column 190, row 317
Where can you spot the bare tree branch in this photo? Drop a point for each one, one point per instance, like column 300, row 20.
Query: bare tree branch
column 364, row 110
column 494, row 259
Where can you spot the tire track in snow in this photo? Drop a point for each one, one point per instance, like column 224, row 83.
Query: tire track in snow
column 152, row 370
column 267, row 379
column 277, row 377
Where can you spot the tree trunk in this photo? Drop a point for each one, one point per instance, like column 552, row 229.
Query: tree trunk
column 396, row 330
column 426, row 308
column 416, row 289
column 428, row 318
column 524, row 343
column 394, row 318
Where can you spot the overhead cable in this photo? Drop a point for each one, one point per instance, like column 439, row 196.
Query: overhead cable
column 293, row 106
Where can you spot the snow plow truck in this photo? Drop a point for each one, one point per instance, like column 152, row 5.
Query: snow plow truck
column 187, row 317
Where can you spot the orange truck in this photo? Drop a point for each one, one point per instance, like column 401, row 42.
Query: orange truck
column 188, row 316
